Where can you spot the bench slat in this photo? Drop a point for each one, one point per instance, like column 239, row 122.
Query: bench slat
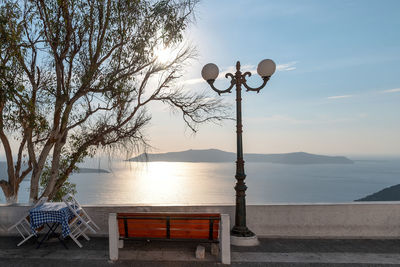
column 194, row 234
column 169, row 225
column 172, row 215
column 149, row 224
column 173, row 225
column 148, row 234
column 193, row 225
column 162, row 232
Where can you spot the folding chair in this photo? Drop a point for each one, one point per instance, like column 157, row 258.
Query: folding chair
column 81, row 222
column 23, row 226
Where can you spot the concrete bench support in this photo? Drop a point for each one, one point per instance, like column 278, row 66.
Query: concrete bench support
column 113, row 236
column 225, row 239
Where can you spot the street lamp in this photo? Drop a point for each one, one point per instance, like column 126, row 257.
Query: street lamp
column 241, row 235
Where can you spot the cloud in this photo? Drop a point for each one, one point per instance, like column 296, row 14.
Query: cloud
column 232, row 69
column 396, row 90
column 367, row 94
column 253, row 69
column 339, row 96
column 315, row 120
column 221, row 75
column 287, row 66
column 194, row 81
column 244, row 68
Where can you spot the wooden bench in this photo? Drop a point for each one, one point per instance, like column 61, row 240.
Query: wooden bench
column 202, row 227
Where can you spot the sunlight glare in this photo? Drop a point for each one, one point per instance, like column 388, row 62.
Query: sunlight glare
column 162, row 181
column 164, row 55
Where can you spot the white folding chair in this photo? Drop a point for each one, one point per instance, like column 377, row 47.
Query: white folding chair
column 81, row 222
column 23, row 226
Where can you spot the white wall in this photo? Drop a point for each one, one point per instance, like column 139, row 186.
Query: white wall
column 348, row 220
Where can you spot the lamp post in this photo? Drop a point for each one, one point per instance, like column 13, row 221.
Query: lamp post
column 240, row 234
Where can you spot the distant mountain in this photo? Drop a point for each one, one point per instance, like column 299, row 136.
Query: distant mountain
column 4, row 175
column 92, row 170
column 391, row 193
column 215, row 155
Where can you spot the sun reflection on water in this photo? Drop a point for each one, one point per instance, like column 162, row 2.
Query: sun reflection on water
column 161, row 182
column 165, row 183
column 173, row 183
column 158, row 183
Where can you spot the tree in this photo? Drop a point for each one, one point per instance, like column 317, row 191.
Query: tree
column 66, row 188
column 11, row 113
column 88, row 77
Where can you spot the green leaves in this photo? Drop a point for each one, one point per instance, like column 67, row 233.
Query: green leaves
column 66, row 188
column 80, row 76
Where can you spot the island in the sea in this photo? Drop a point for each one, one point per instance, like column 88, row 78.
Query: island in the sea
column 4, row 174
column 216, row 155
column 92, row 170
column 391, row 193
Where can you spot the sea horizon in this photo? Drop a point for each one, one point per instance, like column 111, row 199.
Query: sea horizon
column 196, row 183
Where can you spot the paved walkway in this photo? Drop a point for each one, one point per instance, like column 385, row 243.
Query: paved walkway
column 271, row 252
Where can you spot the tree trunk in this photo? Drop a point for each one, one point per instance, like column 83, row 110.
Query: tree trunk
column 37, row 171
column 10, row 188
column 55, row 167
column 12, row 199
column 9, row 193
column 54, row 172
column 34, row 190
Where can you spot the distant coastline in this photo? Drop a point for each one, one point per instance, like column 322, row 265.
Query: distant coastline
column 4, row 175
column 391, row 193
column 92, row 170
column 215, row 155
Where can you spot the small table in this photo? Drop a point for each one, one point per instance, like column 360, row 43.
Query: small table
column 53, row 215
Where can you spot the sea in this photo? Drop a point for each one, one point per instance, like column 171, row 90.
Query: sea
column 183, row 183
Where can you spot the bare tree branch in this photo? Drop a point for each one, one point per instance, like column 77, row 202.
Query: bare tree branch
column 89, row 73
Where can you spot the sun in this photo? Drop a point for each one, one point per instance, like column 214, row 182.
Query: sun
column 164, row 55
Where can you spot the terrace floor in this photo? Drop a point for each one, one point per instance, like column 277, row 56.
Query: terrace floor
column 271, row 252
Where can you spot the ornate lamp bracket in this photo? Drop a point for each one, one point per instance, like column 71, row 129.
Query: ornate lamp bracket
column 248, row 88
column 229, row 90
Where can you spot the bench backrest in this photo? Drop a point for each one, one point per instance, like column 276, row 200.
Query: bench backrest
column 204, row 226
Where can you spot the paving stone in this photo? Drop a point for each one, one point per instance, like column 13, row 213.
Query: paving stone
column 270, row 252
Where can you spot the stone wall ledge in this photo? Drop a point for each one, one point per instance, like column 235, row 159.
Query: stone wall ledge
column 282, row 220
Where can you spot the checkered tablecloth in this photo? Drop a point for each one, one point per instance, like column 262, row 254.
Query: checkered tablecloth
column 56, row 212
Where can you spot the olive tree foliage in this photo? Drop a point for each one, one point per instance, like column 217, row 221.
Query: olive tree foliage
column 66, row 188
column 79, row 75
column 11, row 116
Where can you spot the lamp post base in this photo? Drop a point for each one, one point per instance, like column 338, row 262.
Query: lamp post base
column 242, row 236
column 244, row 241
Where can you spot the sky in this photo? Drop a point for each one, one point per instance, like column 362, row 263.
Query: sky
column 336, row 90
